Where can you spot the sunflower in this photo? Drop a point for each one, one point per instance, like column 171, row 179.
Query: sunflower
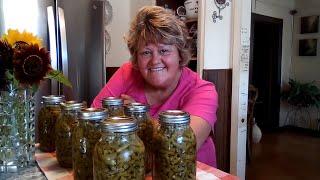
column 6, row 54
column 31, row 64
column 14, row 36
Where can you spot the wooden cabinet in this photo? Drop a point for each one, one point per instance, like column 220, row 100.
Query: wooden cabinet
column 192, row 25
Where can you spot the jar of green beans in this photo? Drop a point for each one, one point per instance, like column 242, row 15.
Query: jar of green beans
column 84, row 138
column 140, row 112
column 114, row 106
column 119, row 154
column 48, row 115
column 175, row 142
column 65, row 125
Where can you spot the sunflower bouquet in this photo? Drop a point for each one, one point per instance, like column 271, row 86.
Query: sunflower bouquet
column 24, row 62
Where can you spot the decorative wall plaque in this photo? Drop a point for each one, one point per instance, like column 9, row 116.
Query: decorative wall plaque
column 220, row 4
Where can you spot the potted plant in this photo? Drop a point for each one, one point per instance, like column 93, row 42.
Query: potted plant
column 301, row 94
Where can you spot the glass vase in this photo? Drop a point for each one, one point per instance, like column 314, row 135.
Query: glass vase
column 17, row 129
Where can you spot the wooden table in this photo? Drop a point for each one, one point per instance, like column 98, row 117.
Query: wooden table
column 50, row 167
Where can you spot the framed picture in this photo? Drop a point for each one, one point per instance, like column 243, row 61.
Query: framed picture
column 309, row 24
column 308, row 47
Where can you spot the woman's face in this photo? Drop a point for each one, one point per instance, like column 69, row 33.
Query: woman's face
column 159, row 64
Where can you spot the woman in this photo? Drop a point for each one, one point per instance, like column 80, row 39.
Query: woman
column 159, row 45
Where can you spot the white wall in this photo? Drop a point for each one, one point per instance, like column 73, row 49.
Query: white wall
column 123, row 12
column 307, row 4
column 278, row 3
column 306, row 68
column 214, row 50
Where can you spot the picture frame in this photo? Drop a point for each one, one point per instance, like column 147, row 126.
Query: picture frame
column 309, row 24
column 308, row 47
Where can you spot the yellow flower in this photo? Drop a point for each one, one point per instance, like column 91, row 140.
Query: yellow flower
column 14, row 36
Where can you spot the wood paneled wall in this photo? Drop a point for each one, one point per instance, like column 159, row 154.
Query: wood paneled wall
column 223, row 82
column 221, row 137
column 110, row 71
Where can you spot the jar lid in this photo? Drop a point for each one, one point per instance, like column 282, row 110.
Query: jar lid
column 136, row 107
column 119, row 124
column 93, row 114
column 111, row 101
column 53, row 98
column 174, row 117
column 73, row 105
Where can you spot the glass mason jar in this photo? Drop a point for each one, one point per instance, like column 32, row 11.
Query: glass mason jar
column 175, row 155
column 48, row 115
column 114, row 105
column 84, row 138
column 119, row 154
column 140, row 112
column 66, row 123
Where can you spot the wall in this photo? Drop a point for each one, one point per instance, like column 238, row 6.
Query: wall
column 277, row 3
column 216, row 40
column 306, row 68
column 123, row 12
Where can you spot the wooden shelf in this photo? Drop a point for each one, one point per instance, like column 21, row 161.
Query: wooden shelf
column 193, row 58
column 191, row 20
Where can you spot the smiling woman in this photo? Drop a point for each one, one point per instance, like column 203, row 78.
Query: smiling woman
column 159, row 66
column 157, row 75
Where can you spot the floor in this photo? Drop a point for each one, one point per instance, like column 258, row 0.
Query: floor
column 286, row 154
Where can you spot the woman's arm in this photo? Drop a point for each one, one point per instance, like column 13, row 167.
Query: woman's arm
column 201, row 129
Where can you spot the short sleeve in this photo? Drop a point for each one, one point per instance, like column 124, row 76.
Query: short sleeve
column 202, row 102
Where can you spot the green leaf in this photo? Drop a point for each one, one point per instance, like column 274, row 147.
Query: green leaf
column 302, row 94
column 12, row 78
column 9, row 75
column 34, row 87
column 15, row 83
column 57, row 75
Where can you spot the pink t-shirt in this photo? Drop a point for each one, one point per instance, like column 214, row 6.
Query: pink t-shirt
column 193, row 95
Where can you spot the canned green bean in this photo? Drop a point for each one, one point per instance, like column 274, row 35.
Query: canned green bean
column 175, row 142
column 119, row 154
column 140, row 112
column 65, row 125
column 85, row 137
column 114, row 106
column 48, row 115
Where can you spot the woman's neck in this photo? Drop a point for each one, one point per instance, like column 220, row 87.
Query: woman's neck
column 156, row 95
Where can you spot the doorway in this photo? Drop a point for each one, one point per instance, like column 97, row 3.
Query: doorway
column 265, row 68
